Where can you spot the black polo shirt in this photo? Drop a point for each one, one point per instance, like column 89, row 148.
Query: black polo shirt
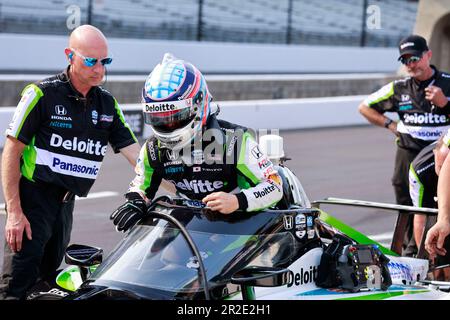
column 67, row 134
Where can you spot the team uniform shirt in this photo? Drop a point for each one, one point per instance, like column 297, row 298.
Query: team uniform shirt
column 66, row 134
column 234, row 165
column 418, row 125
column 423, row 179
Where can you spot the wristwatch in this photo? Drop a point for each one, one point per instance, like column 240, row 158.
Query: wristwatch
column 387, row 122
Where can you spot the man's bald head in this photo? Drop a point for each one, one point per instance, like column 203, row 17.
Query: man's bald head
column 85, row 42
column 87, row 38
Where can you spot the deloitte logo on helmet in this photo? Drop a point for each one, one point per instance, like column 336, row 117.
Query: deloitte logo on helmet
column 160, row 107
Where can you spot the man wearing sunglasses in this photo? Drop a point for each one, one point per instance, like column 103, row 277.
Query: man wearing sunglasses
column 54, row 150
column 422, row 104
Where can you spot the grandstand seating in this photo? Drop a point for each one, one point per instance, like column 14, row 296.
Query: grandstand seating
column 326, row 22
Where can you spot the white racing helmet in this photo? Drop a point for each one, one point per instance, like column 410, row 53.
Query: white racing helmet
column 176, row 102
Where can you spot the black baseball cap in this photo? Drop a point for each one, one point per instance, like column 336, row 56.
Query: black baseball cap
column 413, row 44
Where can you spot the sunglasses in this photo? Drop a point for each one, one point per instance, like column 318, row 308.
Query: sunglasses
column 90, row 62
column 411, row 59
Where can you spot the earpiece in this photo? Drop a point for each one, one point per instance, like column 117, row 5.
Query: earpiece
column 70, row 56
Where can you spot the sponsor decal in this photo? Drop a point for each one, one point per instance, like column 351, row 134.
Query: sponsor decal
column 53, row 117
column 89, row 146
column 264, row 192
column 198, row 186
column 427, row 118
column 196, row 169
column 300, row 234
column 305, row 276
column 94, row 117
column 173, row 163
column 172, row 170
column 198, row 156
column 151, row 150
column 256, row 152
column 405, row 97
column 168, row 106
column 300, row 219
column 311, row 234
column 406, row 107
column 60, row 110
column 288, row 222
column 74, row 167
column 264, row 163
column 407, row 44
column 171, row 155
column 309, row 221
column 106, row 118
column 62, row 125
column 275, row 178
column 231, row 146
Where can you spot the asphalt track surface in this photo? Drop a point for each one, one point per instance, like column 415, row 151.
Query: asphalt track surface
column 351, row 162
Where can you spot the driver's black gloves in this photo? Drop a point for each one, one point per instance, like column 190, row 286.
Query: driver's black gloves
column 129, row 213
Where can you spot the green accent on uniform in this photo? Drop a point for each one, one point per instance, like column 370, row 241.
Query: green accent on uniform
column 421, row 188
column 29, row 160
column 241, row 166
column 389, row 94
column 122, row 118
column 352, row 233
column 31, row 106
column 384, row 295
column 243, row 183
column 148, row 171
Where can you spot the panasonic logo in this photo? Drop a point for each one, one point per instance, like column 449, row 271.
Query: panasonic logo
column 427, row 118
column 302, row 277
column 264, row 192
column 73, row 167
column 89, row 146
column 198, row 186
column 160, row 107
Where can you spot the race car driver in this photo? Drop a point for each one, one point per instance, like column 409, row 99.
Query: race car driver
column 422, row 104
column 205, row 158
column 423, row 181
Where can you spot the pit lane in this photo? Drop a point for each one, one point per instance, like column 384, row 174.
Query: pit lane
column 352, row 162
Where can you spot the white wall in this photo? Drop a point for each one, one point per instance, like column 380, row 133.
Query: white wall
column 46, row 53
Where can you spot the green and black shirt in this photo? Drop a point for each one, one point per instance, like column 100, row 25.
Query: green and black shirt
column 67, row 134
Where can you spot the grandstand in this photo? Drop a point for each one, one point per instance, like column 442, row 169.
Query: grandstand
column 325, row 22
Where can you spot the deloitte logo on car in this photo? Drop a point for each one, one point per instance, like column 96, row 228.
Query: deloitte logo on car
column 303, row 277
column 159, row 107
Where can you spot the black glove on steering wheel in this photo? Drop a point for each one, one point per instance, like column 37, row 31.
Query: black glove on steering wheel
column 129, row 213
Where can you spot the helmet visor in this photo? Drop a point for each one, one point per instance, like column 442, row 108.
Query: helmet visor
column 167, row 117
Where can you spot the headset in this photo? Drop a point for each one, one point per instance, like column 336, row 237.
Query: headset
column 70, row 56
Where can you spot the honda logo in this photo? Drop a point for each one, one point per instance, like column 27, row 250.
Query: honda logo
column 288, row 222
column 171, row 155
column 60, row 110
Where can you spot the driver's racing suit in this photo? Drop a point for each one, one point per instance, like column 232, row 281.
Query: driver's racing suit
column 232, row 163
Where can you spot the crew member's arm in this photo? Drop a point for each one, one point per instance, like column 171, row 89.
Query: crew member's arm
column 131, row 153
column 122, row 138
column 20, row 133
column 376, row 104
column 16, row 222
column 434, row 242
column 260, row 184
